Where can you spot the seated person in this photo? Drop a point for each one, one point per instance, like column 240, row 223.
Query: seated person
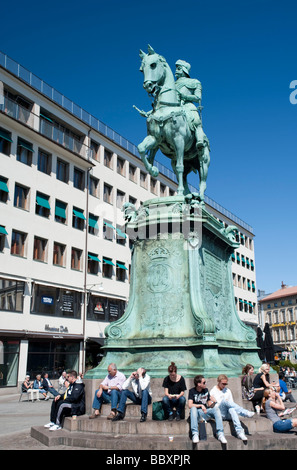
column 202, row 407
column 175, row 387
column 229, row 409
column 26, row 385
column 69, row 404
column 284, row 393
column 48, row 386
column 109, row 391
column 39, row 386
column 272, row 403
column 141, row 393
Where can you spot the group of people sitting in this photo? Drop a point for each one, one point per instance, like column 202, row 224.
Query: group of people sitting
column 218, row 403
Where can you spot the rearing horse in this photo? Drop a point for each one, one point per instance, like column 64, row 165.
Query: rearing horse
column 168, row 127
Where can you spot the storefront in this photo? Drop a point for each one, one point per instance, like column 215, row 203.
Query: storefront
column 9, row 361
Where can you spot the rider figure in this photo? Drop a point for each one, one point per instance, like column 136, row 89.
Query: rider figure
column 190, row 91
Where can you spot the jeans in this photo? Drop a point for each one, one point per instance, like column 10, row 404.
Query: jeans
column 113, row 398
column 169, row 404
column 144, row 401
column 196, row 415
column 230, row 411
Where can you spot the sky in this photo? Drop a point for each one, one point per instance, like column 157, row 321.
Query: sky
column 244, row 54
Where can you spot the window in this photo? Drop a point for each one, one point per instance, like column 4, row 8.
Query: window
column 107, row 193
column 76, row 259
column 48, row 300
column 143, row 180
column 153, row 186
column 24, row 152
column 94, row 187
column 18, row 243
column 62, row 171
column 5, row 141
column 121, row 236
column 78, row 219
column 61, row 212
column 132, row 200
column 121, row 271
column 44, row 163
column 59, row 257
column 93, row 224
column 120, row 199
column 3, row 234
column 11, row 295
column 21, row 197
column 162, row 190
column 108, row 158
column 95, row 150
column 107, row 268
column 121, row 166
column 40, row 248
column 42, row 205
column 171, row 192
column 93, row 263
column 3, row 189
column 107, row 230
column 132, row 173
column 79, row 179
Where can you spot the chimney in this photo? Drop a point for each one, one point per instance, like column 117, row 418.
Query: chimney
column 283, row 286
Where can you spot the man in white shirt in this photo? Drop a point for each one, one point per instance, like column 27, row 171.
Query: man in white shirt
column 229, row 409
column 141, row 393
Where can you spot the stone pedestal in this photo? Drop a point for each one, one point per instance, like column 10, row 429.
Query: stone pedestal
column 181, row 305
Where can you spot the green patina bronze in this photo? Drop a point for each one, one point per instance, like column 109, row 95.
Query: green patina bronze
column 181, row 305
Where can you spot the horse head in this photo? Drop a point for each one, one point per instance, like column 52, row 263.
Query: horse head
column 154, row 68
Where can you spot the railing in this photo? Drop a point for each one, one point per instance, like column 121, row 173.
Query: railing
column 47, row 90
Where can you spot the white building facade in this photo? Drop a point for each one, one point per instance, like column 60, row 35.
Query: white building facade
column 64, row 258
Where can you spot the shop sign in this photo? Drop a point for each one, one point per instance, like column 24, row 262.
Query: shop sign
column 61, row 329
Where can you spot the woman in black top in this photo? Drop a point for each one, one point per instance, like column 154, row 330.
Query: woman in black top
column 261, row 381
column 175, row 387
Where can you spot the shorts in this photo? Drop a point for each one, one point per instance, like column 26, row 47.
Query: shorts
column 283, row 425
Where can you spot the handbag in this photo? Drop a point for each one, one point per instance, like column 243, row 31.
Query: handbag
column 158, row 411
column 250, row 393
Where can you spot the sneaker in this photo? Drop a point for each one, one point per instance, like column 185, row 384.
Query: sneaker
column 177, row 417
column 258, row 409
column 242, row 436
column 222, row 438
column 143, row 417
column 55, row 427
column 195, row 438
column 49, row 425
column 47, row 398
column 170, row 417
column 249, row 414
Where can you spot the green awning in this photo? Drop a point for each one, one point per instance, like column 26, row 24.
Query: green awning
column 109, row 225
column 45, row 117
column 108, row 262
column 43, row 201
column 93, row 258
column 252, row 264
column 120, row 233
column 26, row 146
column 79, row 213
column 122, row 266
column 2, row 230
column 233, row 256
column 3, row 186
column 60, row 210
column 5, row 135
column 93, row 221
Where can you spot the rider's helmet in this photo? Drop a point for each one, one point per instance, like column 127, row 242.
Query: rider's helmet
column 186, row 67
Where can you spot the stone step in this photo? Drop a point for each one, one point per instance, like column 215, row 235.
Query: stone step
column 116, row 442
column 131, row 426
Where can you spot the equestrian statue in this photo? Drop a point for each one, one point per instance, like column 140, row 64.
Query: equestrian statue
column 174, row 125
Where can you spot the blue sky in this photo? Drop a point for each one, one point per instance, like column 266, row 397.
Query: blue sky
column 243, row 52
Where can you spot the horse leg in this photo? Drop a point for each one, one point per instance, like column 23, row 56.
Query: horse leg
column 149, row 144
column 179, row 152
column 204, row 161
